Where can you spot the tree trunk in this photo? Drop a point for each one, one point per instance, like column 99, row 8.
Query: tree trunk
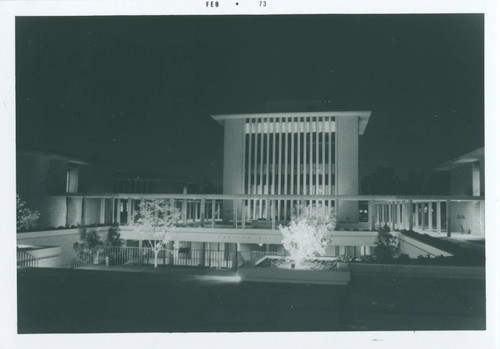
column 156, row 258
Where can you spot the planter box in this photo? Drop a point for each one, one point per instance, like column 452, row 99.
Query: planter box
column 340, row 276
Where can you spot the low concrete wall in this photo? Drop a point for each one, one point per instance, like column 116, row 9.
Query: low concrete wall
column 48, row 257
column 294, row 276
column 415, row 248
column 340, row 276
column 424, row 271
column 64, row 239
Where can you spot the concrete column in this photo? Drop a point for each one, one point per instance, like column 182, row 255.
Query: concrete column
column 202, row 212
column 422, row 215
column 316, row 165
column 476, row 179
column 235, row 212
column 398, row 215
column 292, row 159
column 410, row 215
column 102, row 214
column 195, row 211
column 393, row 223
column 299, row 163
column 243, row 214
column 82, row 211
column 272, row 182
column 184, row 211
column 249, row 169
column 438, row 216
column 67, row 210
column 234, row 161
column 429, row 215
column 371, row 215
column 261, row 167
column 346, row 166
column 311, row 190
column 304, row 158
column 389, row 215
column 331, row 168
column 448, row 219
column 130, row 212
column 323, row 150
column 273, row 218
column 113, row 200
column 213, row 213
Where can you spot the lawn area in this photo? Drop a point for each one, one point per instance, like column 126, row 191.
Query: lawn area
column 79, row 301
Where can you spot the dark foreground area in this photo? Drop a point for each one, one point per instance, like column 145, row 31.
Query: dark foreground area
column 78, row 301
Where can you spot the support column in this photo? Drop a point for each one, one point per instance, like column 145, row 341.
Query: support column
column 429, row 215
column 438, row 216
column 448, row 219
column 82, row 211
column 422, row 216
column 234, row 161
column 243, row 213
column 273, row 219
column 410, row 215
column 102, row 214
column 130, row 211
column 346, row 166
column 268, row 210
column 202, row 212
column 184, row 211
column 393, row 223
column 195, row 211
column 235, row 213
column 389, row 215
column 113, row 200
column 371, row 214
column 213, row 213
column 398, row 216
column 67, row 211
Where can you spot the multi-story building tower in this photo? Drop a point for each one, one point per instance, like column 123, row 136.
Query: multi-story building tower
column 310, row 153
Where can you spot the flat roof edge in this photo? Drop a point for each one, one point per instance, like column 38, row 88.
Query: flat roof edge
column 364, row 115
column 360, row 113
column 468, row 158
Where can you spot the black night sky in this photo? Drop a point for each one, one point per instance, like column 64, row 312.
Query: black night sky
column 137, row 92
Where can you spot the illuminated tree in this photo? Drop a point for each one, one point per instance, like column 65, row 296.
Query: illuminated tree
column 155, row 218
column 307, row 235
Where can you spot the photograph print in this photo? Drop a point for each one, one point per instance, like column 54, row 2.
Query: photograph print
column 246, row 173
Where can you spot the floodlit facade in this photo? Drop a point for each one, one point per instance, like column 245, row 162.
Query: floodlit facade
column 273, row 162
column 311, row 153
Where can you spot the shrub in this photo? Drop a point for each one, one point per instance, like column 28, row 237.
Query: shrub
column 386, row 247
column 113, row 237
column 26, row 218
column 90, row 244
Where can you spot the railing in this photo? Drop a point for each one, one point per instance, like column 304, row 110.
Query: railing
column 25, row 260
column 268, row 211
column 144, row 256
column 254, row 256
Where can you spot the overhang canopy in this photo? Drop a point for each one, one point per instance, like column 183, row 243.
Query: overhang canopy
column 363, row 116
